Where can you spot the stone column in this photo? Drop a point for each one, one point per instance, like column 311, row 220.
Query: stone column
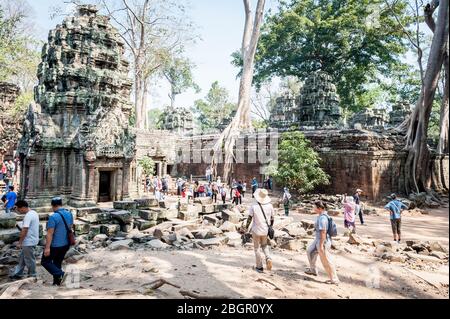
column 126, row 180
column 31, row 177
column 160, row 169
column 164, row 169
column 91, row 191
column 118, row 181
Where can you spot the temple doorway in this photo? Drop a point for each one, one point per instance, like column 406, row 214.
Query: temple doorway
column 104, row 192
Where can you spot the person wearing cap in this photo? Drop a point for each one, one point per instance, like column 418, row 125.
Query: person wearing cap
column 395, row 208
column 261, row 214
column 57, row 241
column 358, row 210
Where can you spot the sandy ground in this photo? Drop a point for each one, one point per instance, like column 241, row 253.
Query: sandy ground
column 228, row 272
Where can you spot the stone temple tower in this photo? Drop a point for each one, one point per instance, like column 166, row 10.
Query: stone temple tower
column 76, row 140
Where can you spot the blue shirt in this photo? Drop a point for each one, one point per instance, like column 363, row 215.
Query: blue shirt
column 321, row 224
column 11, row 198
column 395, row 207
column 60, row 236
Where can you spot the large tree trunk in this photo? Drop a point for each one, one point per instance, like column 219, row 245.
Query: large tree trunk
column 242, row 119
column 418, row 168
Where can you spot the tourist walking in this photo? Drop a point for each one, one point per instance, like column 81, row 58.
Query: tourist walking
column 235, row 195
column 208, row 174
column 349, row 213
column 59, row 228
column 395, row 208
column 358, row 209
column 240, row 188
column 223, row 193
column 261, row 214
column 286, row 201
column 29, row 238
column 254, row 186
column 321, row 245
column 215, row 191
column 10, row 200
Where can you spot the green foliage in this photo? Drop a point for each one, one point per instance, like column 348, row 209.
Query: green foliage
column 178, row 71
column 355, row 41
column 214, row 108
column 155, row 119
column 258, row 124
column 299, row 165
column 19, row 51
column 21, row 104
column 147, row 165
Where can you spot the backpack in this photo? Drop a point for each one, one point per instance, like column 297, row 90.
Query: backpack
column 332, row 228
column 201, row 189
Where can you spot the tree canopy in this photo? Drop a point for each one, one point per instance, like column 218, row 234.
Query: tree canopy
column 357, row 42
column 215, row 108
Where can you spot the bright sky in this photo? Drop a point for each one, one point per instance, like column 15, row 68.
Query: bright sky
column 220, row 25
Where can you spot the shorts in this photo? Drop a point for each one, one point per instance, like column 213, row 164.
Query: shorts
column 347, row 224
column 396, row 224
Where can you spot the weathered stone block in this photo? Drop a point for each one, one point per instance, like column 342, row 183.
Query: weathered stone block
column 8, row 236
column 82, row 212
column 146, row 202
column 231, row 216
column 211, row 219
column 94, row 231
column 171, row 214
column 143, row 224
column 183, row 206
column 125, row 205
column 148, row 214
column 109, row 230
column 123, row 216
column 96, row 218
column 209, row 209
column 163, row 204
column 187, row 215
column 7, row 221
column 81, row 228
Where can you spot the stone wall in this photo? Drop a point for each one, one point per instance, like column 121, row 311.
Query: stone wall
column 353, row 158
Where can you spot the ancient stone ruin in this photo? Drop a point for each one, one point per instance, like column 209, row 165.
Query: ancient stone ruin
column 370, row 119
column 319, row 102
column 177, row 120
column 10, row 127
column 76, row 139
column 399, row 113
column 285, row 113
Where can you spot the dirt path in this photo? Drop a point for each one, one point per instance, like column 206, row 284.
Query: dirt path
column 227, row 271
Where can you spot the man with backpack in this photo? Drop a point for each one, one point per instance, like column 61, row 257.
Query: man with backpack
column 58, row 240
column 325, row 229
column 395, row 208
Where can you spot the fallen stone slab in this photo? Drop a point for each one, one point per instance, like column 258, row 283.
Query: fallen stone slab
column 184, row 232
column 355, row 239
column 84, row 211
column 96, row 218
column 81, row 228
column 231, row 216
column 217, row 241
column 439, row 254
column 187, row 215
column 228, row 227
column 435, row 246
column 211, row 219
column 121, row 244
column 423, row 257
column 125, row 205
column 157, row 244
column 394, row 257
column 109, row 230
column 100, row 238
column 293, row 244
column 148, row 214
column 7, row 221
column 295, row 230
column 146, row 203
column 122, row 216
column 307, row 224
column 209, row 209
column 163, row 204
column 143, row 224
column 9, row 236
column 94, row 230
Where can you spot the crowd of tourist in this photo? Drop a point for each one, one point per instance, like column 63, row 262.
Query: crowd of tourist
column 60, row 235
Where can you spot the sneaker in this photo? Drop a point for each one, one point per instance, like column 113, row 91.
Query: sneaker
column 15, row 277
column 260, row 270
column 310, row 272
column 63, row 278
column 269, row 264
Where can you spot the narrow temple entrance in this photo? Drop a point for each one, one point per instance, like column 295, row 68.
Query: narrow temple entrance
column 104, row 192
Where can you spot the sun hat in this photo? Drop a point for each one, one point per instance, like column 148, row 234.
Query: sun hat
column 359, row 190
column 262, row 196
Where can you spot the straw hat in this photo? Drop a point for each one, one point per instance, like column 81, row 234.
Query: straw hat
column 262, row 196
column 359, row 190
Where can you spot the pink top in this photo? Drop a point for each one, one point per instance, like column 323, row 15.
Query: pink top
column 349, row 212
